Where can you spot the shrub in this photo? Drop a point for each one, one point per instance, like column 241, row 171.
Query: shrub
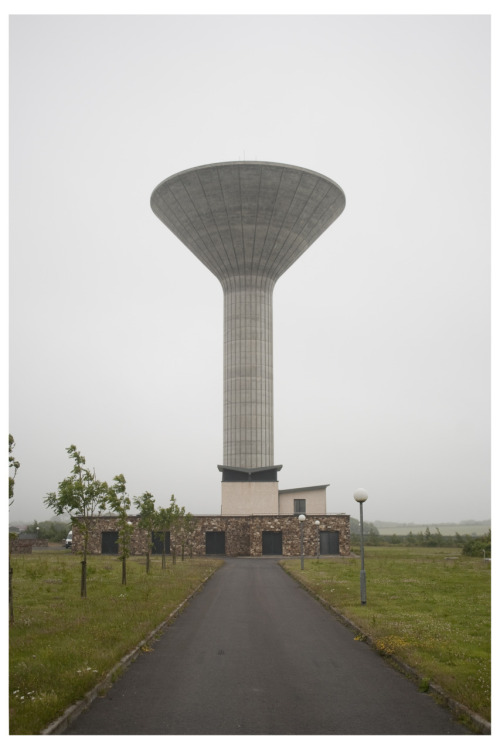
column 478, row 547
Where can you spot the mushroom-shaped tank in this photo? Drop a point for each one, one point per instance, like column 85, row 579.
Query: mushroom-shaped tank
column 251, row 218
column 247, row 222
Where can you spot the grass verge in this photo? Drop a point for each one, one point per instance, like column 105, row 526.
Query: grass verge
column 61, row 645
column 426, row 607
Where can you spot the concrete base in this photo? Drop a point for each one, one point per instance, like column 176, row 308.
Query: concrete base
column 249, row 498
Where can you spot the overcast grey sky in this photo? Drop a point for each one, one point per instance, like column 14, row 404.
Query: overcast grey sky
column 381, row 329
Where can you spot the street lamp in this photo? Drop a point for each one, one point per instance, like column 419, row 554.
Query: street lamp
column 316, row 523
column 361, row 496
column 302, row 518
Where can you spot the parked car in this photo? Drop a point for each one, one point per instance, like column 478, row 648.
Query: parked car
column 69, row 540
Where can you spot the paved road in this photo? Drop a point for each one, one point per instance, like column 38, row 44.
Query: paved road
column 255, row 654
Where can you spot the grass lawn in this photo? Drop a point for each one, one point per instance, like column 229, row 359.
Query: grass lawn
column 432, row 612
column 62, row 645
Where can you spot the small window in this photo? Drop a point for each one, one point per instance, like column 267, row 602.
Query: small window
column 299, row 506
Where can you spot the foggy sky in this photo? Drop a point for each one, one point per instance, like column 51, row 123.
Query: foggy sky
column 381, row 329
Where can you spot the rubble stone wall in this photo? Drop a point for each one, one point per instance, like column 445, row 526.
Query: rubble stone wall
column 243, row 534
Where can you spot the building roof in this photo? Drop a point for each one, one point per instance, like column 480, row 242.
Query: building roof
column 304, row 489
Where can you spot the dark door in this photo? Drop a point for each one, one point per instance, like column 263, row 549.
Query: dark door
column 109, row 543
column 329, row 543
column 157, row 540
column 215, row 543
column 272, row 543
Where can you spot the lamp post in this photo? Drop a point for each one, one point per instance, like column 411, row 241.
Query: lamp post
column 316, row 523
column 302, row 518
column 361, row 496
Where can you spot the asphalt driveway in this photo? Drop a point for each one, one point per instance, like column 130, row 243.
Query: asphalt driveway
column 253, row 653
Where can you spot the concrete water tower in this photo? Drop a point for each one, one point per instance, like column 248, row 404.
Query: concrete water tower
column 247, row 222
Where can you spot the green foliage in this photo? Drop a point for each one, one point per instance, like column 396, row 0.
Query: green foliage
column 81, row 495
column 418, row 539
column 13, row 466
column 52, row 531
column 368, row 528
column 412, row 535
column 119, row 502
column 145, row 504
column 479, row 547
column 186, row 527
column 165, row 519
column 371, row 534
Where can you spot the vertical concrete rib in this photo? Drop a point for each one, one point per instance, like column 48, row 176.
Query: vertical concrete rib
column 248, row 372
column 248, row 222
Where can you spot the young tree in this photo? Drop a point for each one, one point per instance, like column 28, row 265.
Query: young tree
column 120, row 504
column 83, row 496
column 165, row 519
column 184, row 529
column 410, row 540
column 176, row 515
column 145, row 504
column 14, row 466
column 162, row 524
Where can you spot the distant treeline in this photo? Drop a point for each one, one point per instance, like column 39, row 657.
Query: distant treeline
column 52, row 531
column 475, row 546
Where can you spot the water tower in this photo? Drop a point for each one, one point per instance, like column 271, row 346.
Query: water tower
column 247, row 222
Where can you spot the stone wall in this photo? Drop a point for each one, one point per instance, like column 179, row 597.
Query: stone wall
column 243, row 534
column 25, row 546
column 21, row 546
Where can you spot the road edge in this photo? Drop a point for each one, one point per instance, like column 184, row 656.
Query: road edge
column 458, row 709
column 72, row 712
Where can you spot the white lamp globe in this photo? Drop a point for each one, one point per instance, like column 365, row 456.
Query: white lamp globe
column 360, row 495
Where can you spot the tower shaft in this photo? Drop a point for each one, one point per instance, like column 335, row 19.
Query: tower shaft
column 248, row 372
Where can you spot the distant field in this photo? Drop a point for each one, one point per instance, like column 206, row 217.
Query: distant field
column 444, row 528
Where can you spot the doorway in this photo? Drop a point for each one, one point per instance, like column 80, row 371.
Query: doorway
column 329, row 543
column 215, row 543
column 157, row 542
column 109, row 543
column 272, row 543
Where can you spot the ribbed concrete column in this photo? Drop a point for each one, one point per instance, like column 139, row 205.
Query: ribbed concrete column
column 248, row 372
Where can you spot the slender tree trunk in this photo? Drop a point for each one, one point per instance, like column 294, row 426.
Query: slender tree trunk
column 11, row 602
column 147, row 562
column 83, row 585
column 124, row 570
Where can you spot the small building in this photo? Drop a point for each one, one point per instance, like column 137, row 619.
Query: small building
column 257, row 497
column 306, row 500
column 233, row 536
